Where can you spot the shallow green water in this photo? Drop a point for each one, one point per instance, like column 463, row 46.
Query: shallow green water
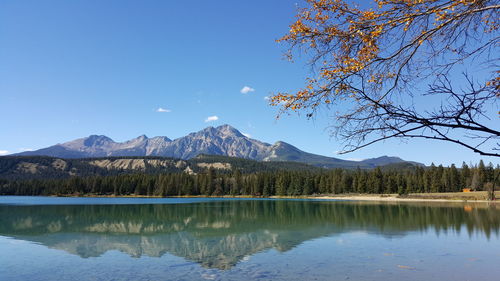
column 236, row 239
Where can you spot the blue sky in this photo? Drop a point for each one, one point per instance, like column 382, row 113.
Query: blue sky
column 69, row 69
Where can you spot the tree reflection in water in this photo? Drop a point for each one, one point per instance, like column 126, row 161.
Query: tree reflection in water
column 219, row 234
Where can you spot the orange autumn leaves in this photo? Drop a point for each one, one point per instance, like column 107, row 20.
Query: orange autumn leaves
column 354, row 47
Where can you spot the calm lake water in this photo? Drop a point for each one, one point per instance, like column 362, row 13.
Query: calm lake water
column 240, row 239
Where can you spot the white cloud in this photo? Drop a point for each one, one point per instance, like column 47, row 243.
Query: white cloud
column 161, row 109
column 246, row 90
column 247, row 135
column 212, row 118
column 25, row 149
column 3, row 152
column 266, row 98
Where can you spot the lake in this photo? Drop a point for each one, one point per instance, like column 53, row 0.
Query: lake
column 48, row 238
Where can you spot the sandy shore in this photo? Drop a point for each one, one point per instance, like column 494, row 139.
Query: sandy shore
column 417, row 197
column 395, row 199
column 479, row 197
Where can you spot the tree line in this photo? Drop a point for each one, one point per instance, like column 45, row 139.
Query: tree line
column 213, row 182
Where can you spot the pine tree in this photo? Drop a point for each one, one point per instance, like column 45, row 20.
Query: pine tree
column 454, row 179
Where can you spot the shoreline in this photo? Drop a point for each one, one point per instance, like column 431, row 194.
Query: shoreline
column 395, row 198
column 454, row 197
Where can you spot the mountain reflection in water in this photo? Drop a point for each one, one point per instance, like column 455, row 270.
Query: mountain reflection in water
column 219, row 234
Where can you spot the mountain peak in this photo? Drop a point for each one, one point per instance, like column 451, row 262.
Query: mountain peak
column 226, row 126
column 223, row 130
column 161, row 138
column 383, row 160
column 387, row 158
column 229, row 130
column 98, row 137
column 141, row 137
column 282, row 144
column 96, row 140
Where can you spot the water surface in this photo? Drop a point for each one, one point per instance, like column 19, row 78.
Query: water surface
column 239, row 239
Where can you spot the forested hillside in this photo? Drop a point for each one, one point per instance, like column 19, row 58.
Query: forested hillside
column 251, row 179
column 43, row 167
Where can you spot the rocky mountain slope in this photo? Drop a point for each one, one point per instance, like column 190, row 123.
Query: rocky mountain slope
column 223, row 140
column 44, row 167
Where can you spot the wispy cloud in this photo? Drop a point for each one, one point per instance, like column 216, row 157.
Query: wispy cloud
column 246, row 90
column 212, row 118
column 161, row 109
column 25, row 149
column 267, row 98
column 247, row 135
column 3, row 152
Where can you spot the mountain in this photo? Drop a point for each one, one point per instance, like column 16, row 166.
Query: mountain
column 223, row 140
column 282, row 151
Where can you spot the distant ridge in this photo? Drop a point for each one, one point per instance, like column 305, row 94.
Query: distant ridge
column 224, row 140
